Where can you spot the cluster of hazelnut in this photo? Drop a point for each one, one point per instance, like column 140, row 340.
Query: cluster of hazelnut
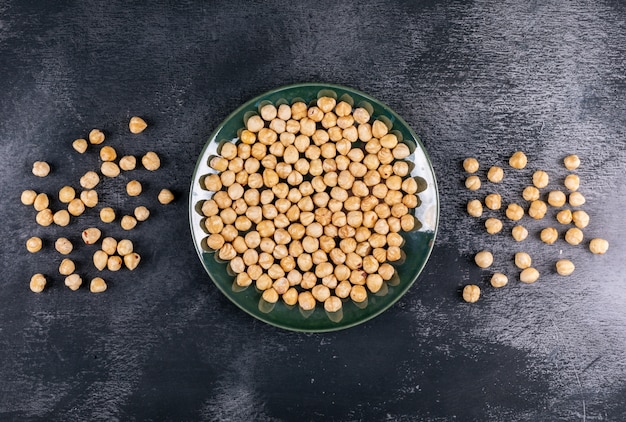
column 537, row 209
column 113, row 253
column 309, row 203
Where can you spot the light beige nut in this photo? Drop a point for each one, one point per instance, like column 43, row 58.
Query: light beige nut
column 128, row 222
column 91, row 235
column 522, row 260
column 514, row 212
column 270, row 295
column 73, row 281
column 151, row 161
column 472, row 183
column 475, row 208
column 132, row 260
column 470, row 165
column 124, row 247
column 80, row 145
column 598, row 246
column 76, row 207
column 565, row 267
column 518, row 160
column 109, row 169
column 332, row 304
column 128, row 162
column 306, row 301
column 483, row 259
column 37, row 283
column 471, row 293
column 572, row 182
column 358, row 293
column 549, row 235
column 495, row 174
column 499, row 280
column 530, row 193
column 574, row 236
column 493, row 225
column 41, row 202
column 493, row 201
column 67, row 267
column 537, row 209
column 540, row 179
column 44, row 217
column 165, row 196
column 108, row 153
column 89, row 198
column 90, row 180
column 63, row 246
column 34, row 244
column 114, row 263
column 571, row 162
column 28, row 197
column 580, row 219
column 97, row 285
column 109, row 245
column 564, row 216
column 107, row 214
column 96, row 137
column 529, row 275
column 133, row 188
column 556, row 198
column 519, row 233
column 41, row 168
column 137, row 124
column 61, row 218
column 66, row 194
column 141, row 213
column 100, row 259
column 576, row 199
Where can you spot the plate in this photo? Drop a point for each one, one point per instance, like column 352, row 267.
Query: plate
column 418, row 242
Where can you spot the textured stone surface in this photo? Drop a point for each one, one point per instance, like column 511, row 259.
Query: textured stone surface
column 482, row 78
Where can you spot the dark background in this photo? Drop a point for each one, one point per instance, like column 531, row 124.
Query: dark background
column 479, row 78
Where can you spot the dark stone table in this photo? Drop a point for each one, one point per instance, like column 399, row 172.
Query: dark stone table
column 481, row 78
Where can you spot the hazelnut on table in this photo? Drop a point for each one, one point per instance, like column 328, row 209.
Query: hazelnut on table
column 137, row 124
column 565, row 267
column 499, row 280
column 34, row 244
column 540, row 179
column 80, row 145
column 598, row 246
column 28, row 197
column 571, row 162
column 128, row 162
column 37, row 283
column 549, row 235
column 475, row 208
column 483, row 259
column 529, row 275
column 73, row 281
column 518, row 160
column 471, row 293
column 574, row 236
column 472, row 183
column 97, row 285
column 41, row 168
column 519, row 233
column 495, row 174
column 63, row 246
column 96, row 137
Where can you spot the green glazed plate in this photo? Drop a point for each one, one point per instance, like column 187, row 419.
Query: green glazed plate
column 416, row 249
